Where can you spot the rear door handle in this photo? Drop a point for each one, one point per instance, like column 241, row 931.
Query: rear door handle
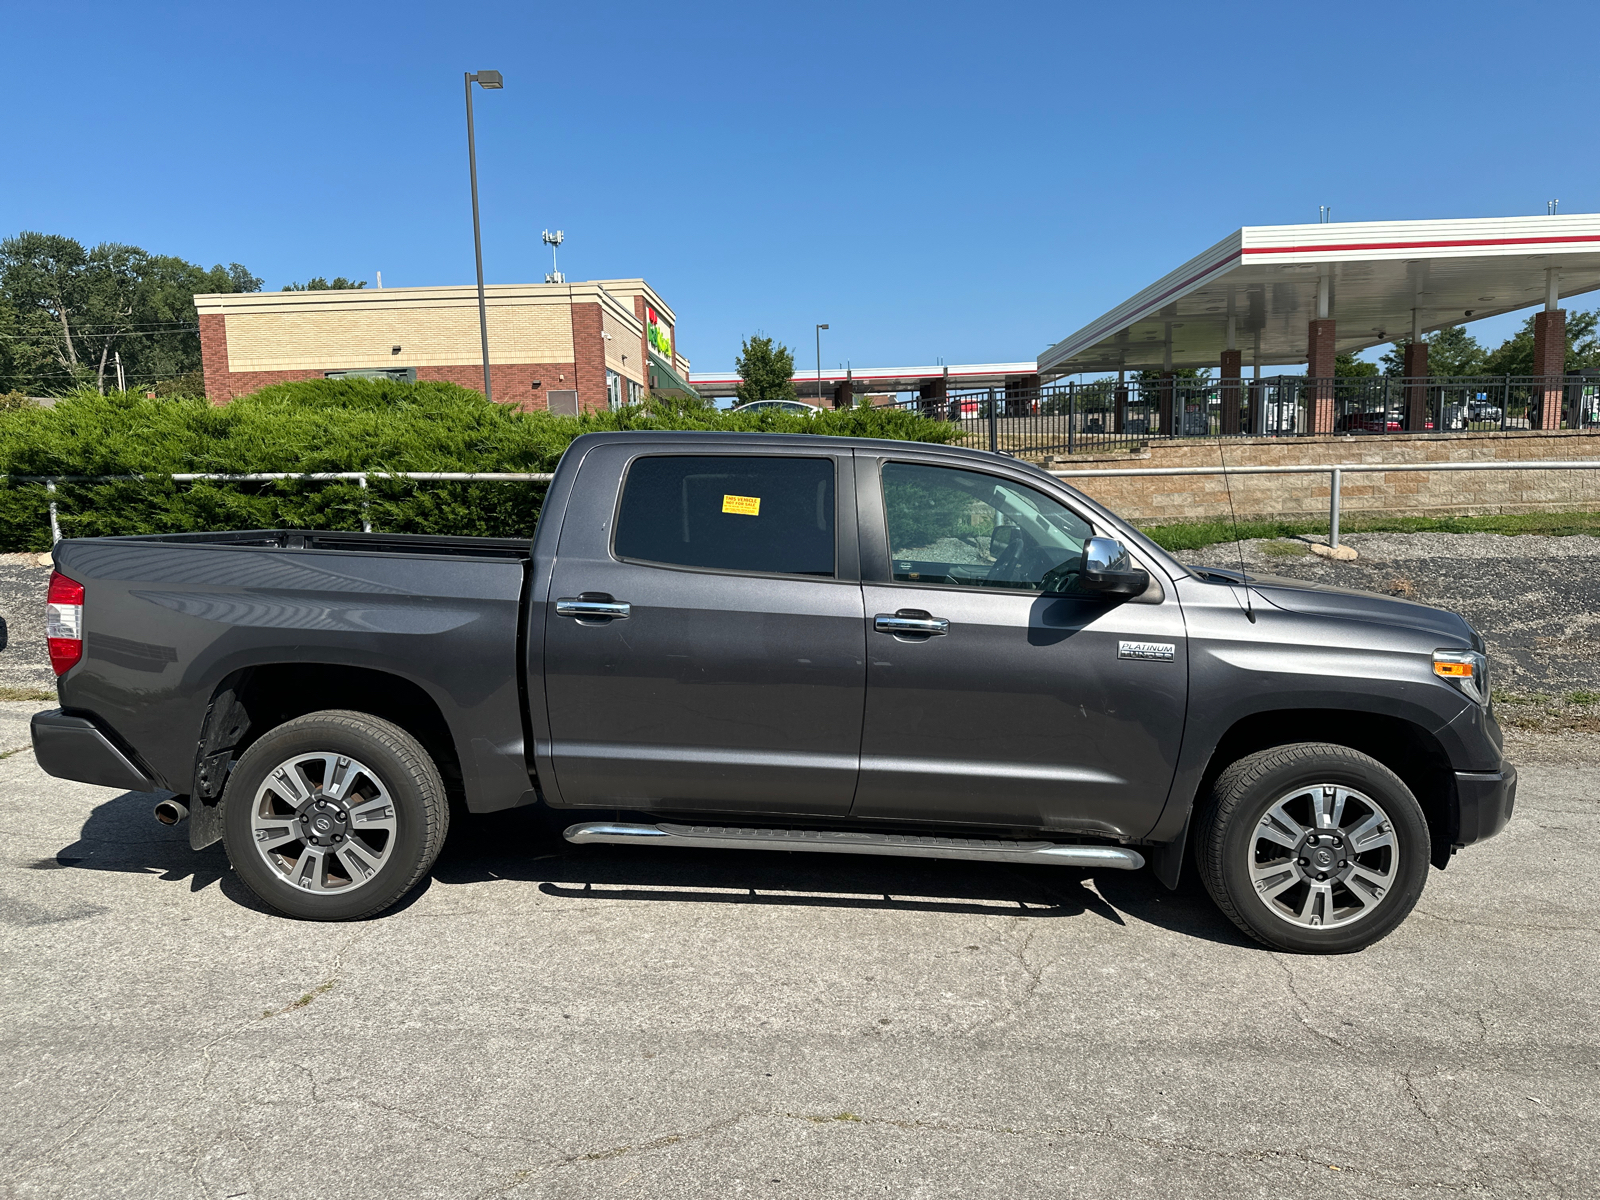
column 582, row 607
column 905, row 623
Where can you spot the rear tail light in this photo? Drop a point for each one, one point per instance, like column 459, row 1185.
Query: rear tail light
column 63, row 622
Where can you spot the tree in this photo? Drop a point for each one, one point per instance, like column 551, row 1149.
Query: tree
column 1348, row 366
column 1514, row 356
column 70, row 313
column 318, row 284
column 1451, row 351
column 766, row 371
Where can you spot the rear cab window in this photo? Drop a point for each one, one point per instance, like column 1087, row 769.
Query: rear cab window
column 751, row 514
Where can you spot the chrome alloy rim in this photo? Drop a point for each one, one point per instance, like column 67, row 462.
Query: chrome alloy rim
column 1323, row 856
column 323, row 822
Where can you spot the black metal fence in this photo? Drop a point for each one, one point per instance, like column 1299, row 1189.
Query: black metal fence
column 1108, row 415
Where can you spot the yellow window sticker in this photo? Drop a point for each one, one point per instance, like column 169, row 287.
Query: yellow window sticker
column 745, row 506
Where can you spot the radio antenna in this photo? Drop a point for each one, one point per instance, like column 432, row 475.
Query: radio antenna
column 1244, row 580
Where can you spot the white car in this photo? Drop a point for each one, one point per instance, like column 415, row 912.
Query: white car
column 799, row 407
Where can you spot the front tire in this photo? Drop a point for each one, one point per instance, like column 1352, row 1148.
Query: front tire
column 334, row 816
column 1313, row 848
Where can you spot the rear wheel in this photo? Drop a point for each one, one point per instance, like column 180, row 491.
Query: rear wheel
column 1314, row 848
column 334, row 815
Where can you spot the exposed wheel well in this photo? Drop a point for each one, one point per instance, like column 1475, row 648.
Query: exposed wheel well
column 270, row 695
column 1408, row 750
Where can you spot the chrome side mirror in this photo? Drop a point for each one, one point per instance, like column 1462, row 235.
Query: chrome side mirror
column 1109, row 570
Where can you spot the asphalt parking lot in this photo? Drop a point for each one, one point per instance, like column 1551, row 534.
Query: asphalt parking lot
column 543, row 1020
column 552, row 1021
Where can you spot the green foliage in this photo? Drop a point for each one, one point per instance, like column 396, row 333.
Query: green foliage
column 1194, row 535
column 766, row 371
column 66, row 312
column 1348, row 366
column 329, row 425
column 1451, row 351
column 318, row 284
column 1515, row 355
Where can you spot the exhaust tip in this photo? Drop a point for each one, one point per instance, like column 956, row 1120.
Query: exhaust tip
column 170, row 812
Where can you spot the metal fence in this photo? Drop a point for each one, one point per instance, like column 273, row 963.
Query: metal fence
column 1335, row 473
column 1109, row 415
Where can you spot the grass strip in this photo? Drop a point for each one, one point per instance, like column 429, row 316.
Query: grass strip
column 1196, row 534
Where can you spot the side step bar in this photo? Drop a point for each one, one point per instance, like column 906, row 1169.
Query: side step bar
column 715, row 837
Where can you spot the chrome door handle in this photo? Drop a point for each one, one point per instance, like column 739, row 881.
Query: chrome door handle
column 577, row 606
column 917, row 626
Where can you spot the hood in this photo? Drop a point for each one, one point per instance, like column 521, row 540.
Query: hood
column 1326, row 600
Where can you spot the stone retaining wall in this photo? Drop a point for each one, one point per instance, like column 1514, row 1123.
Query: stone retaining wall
column 1389, row 493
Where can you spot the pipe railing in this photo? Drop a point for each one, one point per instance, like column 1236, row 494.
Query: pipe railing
column 1334, row 471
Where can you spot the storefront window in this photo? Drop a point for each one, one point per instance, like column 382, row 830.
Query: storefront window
column 613, row 390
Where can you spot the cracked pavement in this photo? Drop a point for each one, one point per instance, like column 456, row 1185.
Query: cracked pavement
column 544, row 1020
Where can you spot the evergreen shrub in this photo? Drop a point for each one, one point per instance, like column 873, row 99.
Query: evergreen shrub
column 328, row 425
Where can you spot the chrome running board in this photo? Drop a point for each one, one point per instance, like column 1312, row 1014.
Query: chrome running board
column 716, row 837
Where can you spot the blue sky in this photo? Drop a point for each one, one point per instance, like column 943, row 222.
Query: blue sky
column 966, row 182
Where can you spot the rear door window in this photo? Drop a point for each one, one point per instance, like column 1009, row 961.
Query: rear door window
column 757, row 515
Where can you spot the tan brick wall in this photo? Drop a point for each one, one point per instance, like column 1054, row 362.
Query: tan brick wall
column 1390, row 493
column 432, row 335
column 622, row 347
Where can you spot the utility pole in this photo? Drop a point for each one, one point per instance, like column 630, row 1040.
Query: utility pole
column 489, row 81
column 820, row 328
column 122, row 384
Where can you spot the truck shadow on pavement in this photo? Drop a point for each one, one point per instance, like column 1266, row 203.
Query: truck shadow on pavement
column 525, row 845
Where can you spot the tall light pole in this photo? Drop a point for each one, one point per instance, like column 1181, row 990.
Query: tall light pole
column 489, row 81
column 820, row 328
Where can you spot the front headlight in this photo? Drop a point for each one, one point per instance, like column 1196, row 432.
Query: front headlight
column 1467, row 669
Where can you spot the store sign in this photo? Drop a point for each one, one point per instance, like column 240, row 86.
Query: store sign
column 659, row 333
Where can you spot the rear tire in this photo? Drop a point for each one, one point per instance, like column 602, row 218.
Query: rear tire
column 334, row 816
column 1313, row 848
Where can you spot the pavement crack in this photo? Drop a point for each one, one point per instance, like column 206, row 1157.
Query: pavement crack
column 1303, row 1009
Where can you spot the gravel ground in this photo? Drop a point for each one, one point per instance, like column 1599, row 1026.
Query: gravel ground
column 1536, row 600
column 24, row 662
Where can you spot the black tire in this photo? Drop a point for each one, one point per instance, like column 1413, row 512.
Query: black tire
column 394, row 767
column 1237, row 842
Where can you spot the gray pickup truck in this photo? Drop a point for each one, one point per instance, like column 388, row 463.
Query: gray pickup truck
column 783, row 643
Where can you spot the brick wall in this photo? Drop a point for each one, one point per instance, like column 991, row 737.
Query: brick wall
column 589, row 350
column 1391, row 493
column 214, row 357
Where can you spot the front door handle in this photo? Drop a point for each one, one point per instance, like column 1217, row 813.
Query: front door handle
column 587, row 608
column 910, row 623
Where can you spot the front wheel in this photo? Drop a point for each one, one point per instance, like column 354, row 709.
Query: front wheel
column 334, row 815
column 1314, row 848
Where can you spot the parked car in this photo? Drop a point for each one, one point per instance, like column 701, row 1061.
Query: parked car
column 1378, row 421
column 730, row 641
column 1483, row 410
column 799, row 407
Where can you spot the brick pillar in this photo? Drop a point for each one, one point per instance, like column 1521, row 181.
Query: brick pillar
column 214, row 357
column 1319, row 366
column 931, row 394
column 1165, row 405
column 1550, row 363
column 1232, row 366
column 1416, row 373
column 589, row 355
column 843, row 394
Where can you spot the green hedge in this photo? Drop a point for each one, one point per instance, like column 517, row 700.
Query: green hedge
column 328, row 425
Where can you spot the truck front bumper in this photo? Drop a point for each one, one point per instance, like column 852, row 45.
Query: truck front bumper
column 73, row 747
column 1484, row 800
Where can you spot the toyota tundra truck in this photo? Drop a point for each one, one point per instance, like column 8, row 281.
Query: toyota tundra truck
column 784, row 643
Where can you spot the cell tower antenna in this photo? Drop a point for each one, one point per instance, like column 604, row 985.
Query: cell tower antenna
column 553, row 275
